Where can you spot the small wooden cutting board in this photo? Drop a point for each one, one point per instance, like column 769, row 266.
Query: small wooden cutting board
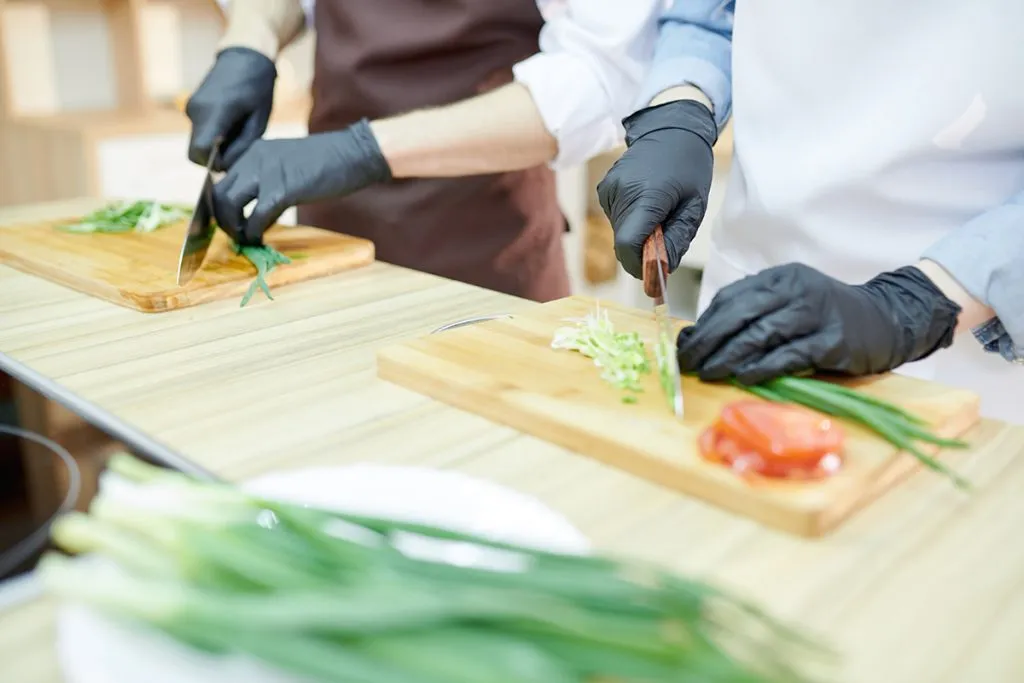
column 139, row 270
column 506, row 370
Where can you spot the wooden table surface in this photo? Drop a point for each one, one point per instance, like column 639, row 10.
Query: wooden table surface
column 925, row 586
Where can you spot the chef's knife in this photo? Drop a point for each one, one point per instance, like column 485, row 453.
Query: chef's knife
column 201, row 229
column 655, row 268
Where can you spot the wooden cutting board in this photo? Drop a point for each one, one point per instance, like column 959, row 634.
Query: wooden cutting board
column 138, row 270
column 505, row 370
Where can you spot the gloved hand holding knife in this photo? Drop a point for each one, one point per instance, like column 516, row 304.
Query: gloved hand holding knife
column 663, row 178
column 233, row 103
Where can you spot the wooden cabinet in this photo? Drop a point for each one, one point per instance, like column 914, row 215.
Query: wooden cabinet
column 91, row 93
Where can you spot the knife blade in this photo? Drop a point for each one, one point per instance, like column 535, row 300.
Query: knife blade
column 655, row 269
column 201, row 228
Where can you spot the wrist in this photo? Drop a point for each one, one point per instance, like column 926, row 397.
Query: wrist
column 924, row 316
column 687, row 115
column 358, row 143
column 973, row 312
column 266, row 26
column 682, row 92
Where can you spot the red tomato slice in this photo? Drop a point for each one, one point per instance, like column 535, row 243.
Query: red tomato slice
column 781, row 430
column 809, row 452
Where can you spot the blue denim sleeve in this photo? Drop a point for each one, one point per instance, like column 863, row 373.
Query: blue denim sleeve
column 694, row 48
column 986, row 255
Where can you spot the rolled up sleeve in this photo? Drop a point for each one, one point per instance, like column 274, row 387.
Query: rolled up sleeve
column 986, row 256
column 593, row 57
column 307, row 9
column 694, row 47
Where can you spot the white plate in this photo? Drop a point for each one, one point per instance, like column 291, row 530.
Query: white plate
column 93, row 648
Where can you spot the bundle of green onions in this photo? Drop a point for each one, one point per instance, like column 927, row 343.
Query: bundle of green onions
column 136, row 216
column 624, row 353
column 328, row 595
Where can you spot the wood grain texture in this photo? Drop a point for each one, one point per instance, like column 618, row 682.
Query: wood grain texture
column 923, row 586
column 507, row 371
column 599, row 263
column 138, row 270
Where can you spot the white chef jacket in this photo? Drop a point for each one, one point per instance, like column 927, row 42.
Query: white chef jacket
column 593, row 57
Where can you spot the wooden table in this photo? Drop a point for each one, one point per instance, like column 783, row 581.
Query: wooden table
column 926, row 586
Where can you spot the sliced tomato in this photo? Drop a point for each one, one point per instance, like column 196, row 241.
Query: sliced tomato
column 781, row 442
column 781, row 429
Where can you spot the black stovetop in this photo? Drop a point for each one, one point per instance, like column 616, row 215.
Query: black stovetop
column 17, row 520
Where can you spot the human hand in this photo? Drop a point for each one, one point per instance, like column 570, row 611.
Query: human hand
column 793, row 318
column 663, row 178
column 279, row 174
column 232, row 103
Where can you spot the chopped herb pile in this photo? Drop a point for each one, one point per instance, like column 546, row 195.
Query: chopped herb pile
column 138, row 216
column 330, row 596
column 621, row 356
column 265, row 258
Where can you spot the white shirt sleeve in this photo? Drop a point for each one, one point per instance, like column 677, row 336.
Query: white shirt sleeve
column 594, row 55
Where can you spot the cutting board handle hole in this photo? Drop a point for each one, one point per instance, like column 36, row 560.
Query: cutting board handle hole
column 470, row 321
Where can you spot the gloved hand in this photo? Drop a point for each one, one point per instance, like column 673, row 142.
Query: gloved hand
column 793, row 318
column 663, row 178
column 282, row 173
column 233, row 102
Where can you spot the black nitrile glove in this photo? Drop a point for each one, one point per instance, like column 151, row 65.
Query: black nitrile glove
column 663, row 178
column 282, row 173
column 793, row 318
column 233, row 103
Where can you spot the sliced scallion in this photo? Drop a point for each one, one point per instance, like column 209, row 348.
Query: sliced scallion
column 134, row 216
column 621, row 356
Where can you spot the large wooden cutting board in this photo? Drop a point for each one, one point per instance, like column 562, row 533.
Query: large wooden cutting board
column 505, row 370
column 139, row 270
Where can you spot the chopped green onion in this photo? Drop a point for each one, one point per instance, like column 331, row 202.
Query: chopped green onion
column 136, row 216
column 621, row 356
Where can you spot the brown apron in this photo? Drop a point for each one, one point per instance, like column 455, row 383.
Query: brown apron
column 378, row 58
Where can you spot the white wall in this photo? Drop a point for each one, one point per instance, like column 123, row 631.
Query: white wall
column 179, row 47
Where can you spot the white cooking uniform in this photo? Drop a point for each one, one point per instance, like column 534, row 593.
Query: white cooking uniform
column 869, row 134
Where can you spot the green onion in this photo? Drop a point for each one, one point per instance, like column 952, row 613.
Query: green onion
column 136, row 216
column 894, row 424
column 665, row 351
column 265, row 258
column 621, row 356
column 328, row 595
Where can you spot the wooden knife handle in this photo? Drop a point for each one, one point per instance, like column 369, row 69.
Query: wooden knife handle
column 655, row 256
